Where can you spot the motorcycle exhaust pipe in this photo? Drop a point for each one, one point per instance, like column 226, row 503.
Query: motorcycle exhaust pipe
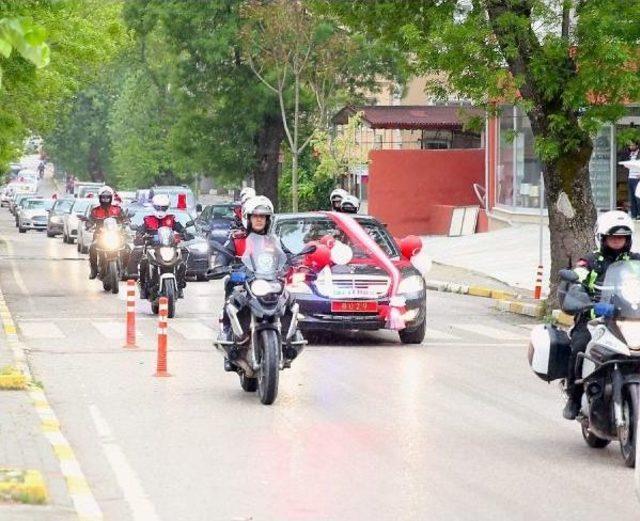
column 232, row 311
column 293, row 326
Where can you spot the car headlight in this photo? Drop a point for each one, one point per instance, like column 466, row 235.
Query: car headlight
column 110, row 240
column 411, row 284
column 166, row 253
column 199, row 247
column 262, row 287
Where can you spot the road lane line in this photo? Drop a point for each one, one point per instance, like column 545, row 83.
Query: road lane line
column 191, row 329
column 491, row 332
column 80, row 493
column 14, row 267
column 40, row 330
column 141, row 506
column 435, row 334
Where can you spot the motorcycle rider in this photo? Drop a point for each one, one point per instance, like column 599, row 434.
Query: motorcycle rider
column 336, row 198
column 148, row 229
column 350, row 204
column 96, row 219
column 614, row 231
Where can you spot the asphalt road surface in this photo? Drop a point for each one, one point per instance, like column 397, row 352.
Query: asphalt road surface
column 364, row 428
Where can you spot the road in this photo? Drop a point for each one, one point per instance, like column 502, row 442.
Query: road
column 364, row 428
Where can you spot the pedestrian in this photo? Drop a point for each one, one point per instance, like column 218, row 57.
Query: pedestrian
column 634, row 179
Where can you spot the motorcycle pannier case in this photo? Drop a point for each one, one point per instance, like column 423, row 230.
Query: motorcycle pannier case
column 549, row 351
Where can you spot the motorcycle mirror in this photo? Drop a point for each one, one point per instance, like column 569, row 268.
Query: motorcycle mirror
column 577, row 300
column 221, row 249
column 311, row 248
column 569, row 275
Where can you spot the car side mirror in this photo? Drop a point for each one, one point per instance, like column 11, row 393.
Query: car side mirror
column 82, row 218
column 199, row 208
column 189, row 223
column 310, row 248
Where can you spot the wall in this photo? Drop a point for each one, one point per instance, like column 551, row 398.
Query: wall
column 414, row 191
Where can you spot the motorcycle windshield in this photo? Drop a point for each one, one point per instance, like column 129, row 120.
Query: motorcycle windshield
column 621, row 288
column 263, row 256
column 165, row 236
column 110, row 224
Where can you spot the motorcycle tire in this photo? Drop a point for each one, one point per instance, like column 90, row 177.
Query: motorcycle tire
column 249, row 385
column 112, row 275
column 79, row 247
column 155, row 307
column 627, row 432
column 591, row 439
column 269, row 367
column 170, row 293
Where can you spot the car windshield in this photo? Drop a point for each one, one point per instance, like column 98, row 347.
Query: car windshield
column 32, row 204
column 79, row 207
column 222, row 211
column 263, row 256
column 63, row 206
column 296, row 233
column 621, row 288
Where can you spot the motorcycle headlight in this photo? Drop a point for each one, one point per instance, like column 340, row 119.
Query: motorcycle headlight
column 199, row 247
column 110, row 240
column 166, row 253
column 412, row 284
column 630, row 330
column 261, row 287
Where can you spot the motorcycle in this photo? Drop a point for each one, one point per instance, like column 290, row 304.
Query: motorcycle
column 164, row 258
column 110, row 248
column 609, row 369
column 262, row 313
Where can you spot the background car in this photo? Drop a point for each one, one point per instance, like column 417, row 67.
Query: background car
column 33, row 214
column 85, row 235
column 215, row 221
column 16, row 199
column 60, row 208
column 20, row 202
column 70, row 221
column 351, row 296
column 198, row 258
column 173, row 192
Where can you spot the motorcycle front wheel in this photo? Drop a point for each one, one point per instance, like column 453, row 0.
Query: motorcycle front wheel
column 269, row 370
column 627, row 432
column 112, row 276
column 170, row 293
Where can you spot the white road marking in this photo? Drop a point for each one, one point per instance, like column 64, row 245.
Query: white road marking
column 191, row 329
column 142, row 508
column 491, row 332
column 40, row 330
column 113, row 330
column 14, row 267
column 435, row 334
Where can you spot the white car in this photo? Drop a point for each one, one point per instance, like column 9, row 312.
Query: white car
column 70, row 221
column 33, row 214
column 85, row 235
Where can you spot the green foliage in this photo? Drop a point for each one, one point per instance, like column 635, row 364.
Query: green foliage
column 26, row 38
column 314, row 188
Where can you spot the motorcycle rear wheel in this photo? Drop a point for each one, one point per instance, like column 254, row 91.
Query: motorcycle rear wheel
column 627, row 433
column 269, row 367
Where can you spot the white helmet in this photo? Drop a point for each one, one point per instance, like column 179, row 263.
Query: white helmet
column 337, row 196
column 160, row 204
column 614, row 222
column 246, row 193
column 350, row 204
column 258, row 205
column 105, row 195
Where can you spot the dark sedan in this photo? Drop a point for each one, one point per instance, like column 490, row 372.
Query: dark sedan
column 215, row 222
column 352, row 296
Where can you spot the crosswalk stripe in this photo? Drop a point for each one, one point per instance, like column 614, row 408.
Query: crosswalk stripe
column 491, row 332
column 40, row 330
column 435, row 334
column 191, row 329
column 113, row 330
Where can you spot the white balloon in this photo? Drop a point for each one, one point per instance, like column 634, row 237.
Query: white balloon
column 422, row 262
column 341, row 254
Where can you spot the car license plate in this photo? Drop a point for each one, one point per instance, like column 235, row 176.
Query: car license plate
column 354, row 306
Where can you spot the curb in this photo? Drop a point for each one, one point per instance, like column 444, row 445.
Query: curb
column 562, row 318
column 23, row 486
column 12, row 379
column 474, row 291
column 535, row 310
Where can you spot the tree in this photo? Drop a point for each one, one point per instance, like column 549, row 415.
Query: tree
column 26, row 38
column 570, row 65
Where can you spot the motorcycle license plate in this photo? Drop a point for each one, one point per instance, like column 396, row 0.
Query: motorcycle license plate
column 354, row 306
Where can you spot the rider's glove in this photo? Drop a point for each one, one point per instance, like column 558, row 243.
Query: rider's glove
column 604, row 309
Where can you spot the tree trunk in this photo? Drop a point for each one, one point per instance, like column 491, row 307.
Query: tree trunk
column 266, row 171
column 95, row 168
column 572, row 214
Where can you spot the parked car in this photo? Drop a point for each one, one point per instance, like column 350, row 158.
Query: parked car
column 196, row 249
column 85, row 235
column 16, row 199
column 352, row 296
column 59, row 209
column 33, row 214
column 173, row 192
column 70, row 221
column 19, row 202
column 215, row 222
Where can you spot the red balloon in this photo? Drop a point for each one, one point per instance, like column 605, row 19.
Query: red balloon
column 410, row 246
column 319, row 258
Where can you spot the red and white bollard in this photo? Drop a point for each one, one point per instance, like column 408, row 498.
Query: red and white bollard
column 131, row 315
column 163, row 312
column 538, row 290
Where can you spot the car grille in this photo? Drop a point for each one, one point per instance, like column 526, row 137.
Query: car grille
column 39, row 219
column 354, row 286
